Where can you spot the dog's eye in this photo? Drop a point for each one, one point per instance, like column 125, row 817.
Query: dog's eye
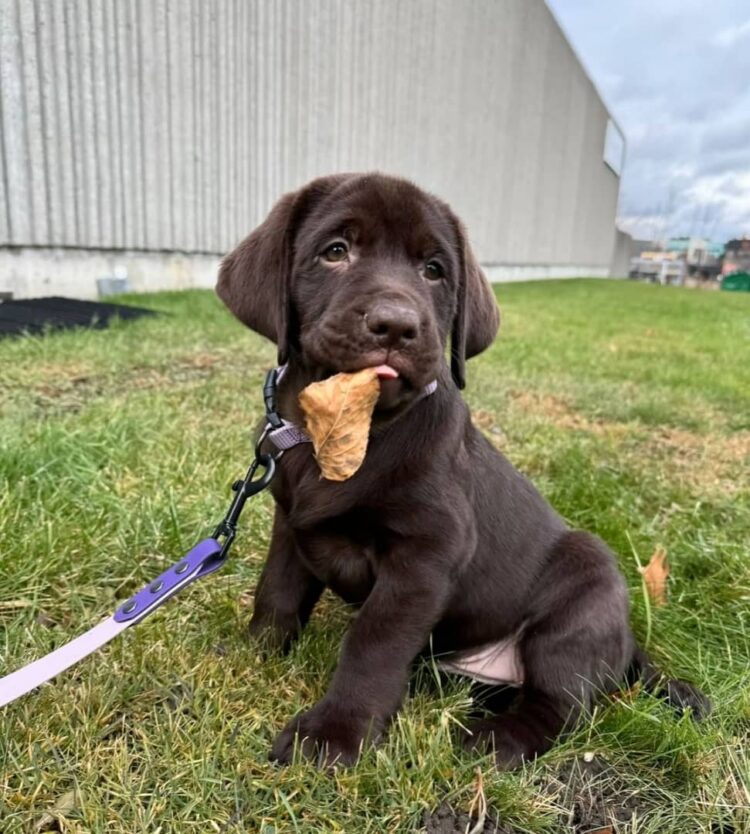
column 336, row 252
column 434, row 270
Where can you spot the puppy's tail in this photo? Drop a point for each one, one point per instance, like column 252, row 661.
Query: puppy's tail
column 677, row 693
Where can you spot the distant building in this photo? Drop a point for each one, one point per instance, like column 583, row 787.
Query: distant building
column 141, row 141
column 659, row 265
column 702, row 257
column 736, row 256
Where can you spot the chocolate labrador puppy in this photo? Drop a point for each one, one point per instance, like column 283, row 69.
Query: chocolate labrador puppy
column 444, row 545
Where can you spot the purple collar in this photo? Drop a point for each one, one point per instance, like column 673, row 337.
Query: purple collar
column 287, row 436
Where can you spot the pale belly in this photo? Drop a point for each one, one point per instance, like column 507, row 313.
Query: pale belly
column 496, row 663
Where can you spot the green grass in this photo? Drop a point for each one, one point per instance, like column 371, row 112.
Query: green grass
column 629, row 406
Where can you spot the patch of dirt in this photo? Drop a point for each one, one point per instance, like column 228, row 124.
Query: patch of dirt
column 593, row 799
column 447, row 821
column 558, row 411
column 54, row 373
column 709, row 463
column 485, row 420
column 704, row 462
column 68, row 389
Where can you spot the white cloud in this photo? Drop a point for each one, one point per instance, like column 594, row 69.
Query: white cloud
column 729, row 36
column 683, row 106
column 730, row 190
column 703, row 207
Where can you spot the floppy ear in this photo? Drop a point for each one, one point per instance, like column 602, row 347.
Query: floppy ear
column 254, row 278
column 477, row 317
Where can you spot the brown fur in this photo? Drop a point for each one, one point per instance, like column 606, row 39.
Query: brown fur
column 437, row 537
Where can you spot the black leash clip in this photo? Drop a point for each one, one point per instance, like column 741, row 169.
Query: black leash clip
column 244, row 488
column 249, row 485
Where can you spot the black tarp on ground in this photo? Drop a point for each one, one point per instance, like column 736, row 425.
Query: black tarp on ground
column 36, row 315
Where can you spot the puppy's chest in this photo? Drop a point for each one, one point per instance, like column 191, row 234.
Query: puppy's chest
column 344, row 553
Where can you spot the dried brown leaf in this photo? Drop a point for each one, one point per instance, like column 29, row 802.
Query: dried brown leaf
column 338, row 412
column 655, row 575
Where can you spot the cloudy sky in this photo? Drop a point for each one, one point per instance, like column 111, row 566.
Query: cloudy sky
column 675, row 74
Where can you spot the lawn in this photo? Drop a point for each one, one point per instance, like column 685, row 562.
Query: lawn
column 628, row 405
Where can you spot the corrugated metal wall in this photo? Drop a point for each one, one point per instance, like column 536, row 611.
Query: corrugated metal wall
column 175, row 124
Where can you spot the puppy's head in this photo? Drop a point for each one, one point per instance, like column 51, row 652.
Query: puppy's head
column 355, row 271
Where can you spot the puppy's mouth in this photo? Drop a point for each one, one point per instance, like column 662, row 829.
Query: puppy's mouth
column 396, row 388
column 386, row 372
column 393, row 387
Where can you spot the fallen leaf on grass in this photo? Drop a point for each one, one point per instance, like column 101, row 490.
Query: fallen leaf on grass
column 62, row 807
column 655, row 575
column 338, row 412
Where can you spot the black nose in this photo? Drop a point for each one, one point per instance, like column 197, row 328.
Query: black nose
column 392, row 324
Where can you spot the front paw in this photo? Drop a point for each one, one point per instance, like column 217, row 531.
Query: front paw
column 329, row 733
column 273, row 634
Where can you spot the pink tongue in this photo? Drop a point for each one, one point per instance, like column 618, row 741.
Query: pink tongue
column 386, row 372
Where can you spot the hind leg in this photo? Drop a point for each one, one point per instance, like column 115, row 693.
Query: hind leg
column 492, row 700
column 577, row 644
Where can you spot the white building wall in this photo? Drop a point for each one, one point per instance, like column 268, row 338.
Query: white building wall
column 171, row 126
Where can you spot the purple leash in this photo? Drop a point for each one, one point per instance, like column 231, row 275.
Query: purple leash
column 205, row 558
